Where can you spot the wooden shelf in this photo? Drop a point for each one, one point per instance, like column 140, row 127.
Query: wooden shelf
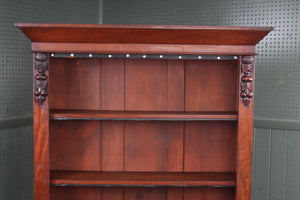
column 131, row 115
column 68, row 178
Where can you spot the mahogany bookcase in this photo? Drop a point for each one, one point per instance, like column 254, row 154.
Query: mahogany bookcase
column 134, row 112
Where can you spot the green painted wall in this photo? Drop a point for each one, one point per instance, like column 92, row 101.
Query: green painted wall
column 16, row 144
column 16, row 163
column 276, row 161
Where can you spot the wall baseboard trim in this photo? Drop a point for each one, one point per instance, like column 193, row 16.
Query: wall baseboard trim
column 27, row 120
column 276, row 124
column 14, row 122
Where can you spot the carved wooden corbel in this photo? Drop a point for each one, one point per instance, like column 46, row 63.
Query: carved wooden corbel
column 247, row 68
column 40, row 79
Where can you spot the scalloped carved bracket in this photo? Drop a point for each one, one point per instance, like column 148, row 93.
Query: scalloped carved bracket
column 247, row 68
column 40, row 63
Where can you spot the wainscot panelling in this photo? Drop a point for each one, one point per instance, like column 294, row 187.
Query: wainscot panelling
column 276, row 162
column 16, row 163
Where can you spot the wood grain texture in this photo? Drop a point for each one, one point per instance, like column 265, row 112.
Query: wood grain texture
column 112, row 193
column 176, row 77
column 112, row 84
column 99, row 86
column 144, row 34
column 143, row 48
column 132, row 193
column 244, row 143
column 146, row 85
column 71, row 79
column 41, row 146
column 209, row 87
column 153, row 146
column 210, row 146
column 75, row 193
column 112, row 145
column 75, row 145
column 174, row 193
column 142, row 178
column 208, row 193
column 140, row 115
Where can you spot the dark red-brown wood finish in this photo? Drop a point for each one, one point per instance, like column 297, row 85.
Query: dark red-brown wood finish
column 115, row 127
column 41, row 125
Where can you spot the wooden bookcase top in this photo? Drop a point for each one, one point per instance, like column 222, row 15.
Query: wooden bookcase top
column 143, row 34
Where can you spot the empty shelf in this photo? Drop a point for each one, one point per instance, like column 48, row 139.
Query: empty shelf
column 88, row 178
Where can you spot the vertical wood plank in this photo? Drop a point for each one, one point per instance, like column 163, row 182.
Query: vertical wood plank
column 293, row 166
column 208, row 193
column 29, row 175
column 176, row 85
column 75, row 83
column 153, row 146
column 75, row 193
column 112, row 193
column 278, row 164
column 174, row 193
column 75, row 145
column 137, row 193
column 244, row 132
column 112, row 84
column 262, row 164
column 112, row 153
column 41, row 136
column 146, row 85
column 209, row 87
column 210, row 146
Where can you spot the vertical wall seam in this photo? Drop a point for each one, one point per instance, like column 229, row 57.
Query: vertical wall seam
column 269, row 178
column 285, row 164
column 1, row 192
column 253, row 163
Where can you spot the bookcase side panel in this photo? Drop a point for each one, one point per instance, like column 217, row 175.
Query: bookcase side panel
column 41, row 126
column 245, row 103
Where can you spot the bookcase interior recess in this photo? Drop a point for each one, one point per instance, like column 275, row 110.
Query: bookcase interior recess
column 136, row 112
column 145, row 153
